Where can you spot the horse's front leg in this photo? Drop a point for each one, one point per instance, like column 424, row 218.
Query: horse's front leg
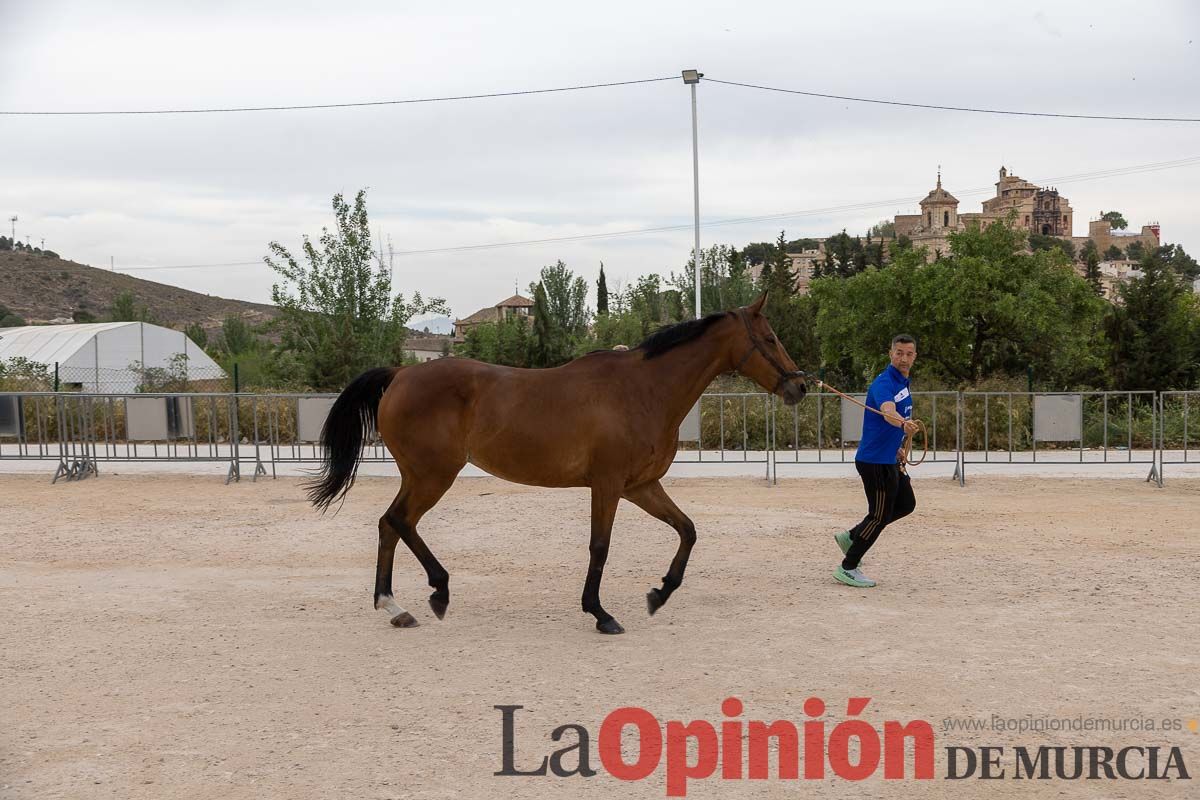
column 653, row 499
column 604, row 509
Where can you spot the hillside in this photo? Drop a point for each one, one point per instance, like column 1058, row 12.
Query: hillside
column 42, row 289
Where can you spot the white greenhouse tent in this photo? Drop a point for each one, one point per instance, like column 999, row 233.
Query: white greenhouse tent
column 107, row 356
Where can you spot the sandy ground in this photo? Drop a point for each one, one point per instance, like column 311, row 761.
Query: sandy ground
column 172, row 637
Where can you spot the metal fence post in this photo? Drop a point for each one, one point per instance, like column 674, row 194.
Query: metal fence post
column 1157, row 434
column 960, row 465
column 235, row 437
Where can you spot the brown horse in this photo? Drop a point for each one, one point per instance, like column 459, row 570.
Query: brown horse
column 608, row 420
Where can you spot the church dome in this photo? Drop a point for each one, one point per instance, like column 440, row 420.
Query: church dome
column 938, row 195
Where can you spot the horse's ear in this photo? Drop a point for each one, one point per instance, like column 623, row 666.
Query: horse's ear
column 757, row 306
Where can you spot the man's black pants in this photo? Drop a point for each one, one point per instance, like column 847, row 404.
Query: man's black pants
column 889, row 497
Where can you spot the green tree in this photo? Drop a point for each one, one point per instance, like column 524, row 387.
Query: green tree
column 986, row 308
column 1136, row 250
column 1184, row 265
column 764, row 275
column 738, row 288
column 859, row 257
column 646, row 303
column 1116, row 219
column 615, row 328
column 550, row 345
column 197, row 334
column 800, row 245
column 1038, row 241
column 725, row 281
column 884, row 229
column 781, row 289
column 873, row 253
column 601, row 293
column 237, row 337
column 1113, row 253
column 781, row 263
column 171, row 378
column 1154, row 329
column 505, row 342
column 566, row 294
column 9, row 318
column 20, row 374
column 1092, row 271
column 1089, row 250
column 795, row 323
column 337, row 312
column 123, row 308
column 758, row 253
column 844, row 255
column 560, row 316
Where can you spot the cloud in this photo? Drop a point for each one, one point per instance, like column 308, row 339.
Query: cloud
column 217, row 188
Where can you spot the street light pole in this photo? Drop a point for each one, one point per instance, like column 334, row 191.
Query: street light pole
column 691, row 77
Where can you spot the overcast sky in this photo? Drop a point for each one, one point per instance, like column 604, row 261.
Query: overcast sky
column 211, row 189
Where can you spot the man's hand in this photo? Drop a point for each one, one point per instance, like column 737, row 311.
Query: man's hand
column 910, row 427
column 901, row 457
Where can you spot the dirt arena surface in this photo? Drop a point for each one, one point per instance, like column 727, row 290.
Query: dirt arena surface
column 172, row 637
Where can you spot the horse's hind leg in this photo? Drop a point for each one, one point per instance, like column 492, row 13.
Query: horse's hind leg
column 419, row 493
column 652, row 498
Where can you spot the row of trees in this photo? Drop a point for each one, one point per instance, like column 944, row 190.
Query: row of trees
column 991, row 310
column 9, row 245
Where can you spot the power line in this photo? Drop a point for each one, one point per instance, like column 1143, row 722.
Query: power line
column 333, row 105
column 518, row 93
column 953, row 108
column 1079, row 177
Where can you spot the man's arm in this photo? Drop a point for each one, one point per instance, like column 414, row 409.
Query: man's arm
column 894, row 419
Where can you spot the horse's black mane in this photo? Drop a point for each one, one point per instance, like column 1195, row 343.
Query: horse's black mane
column 672, row 336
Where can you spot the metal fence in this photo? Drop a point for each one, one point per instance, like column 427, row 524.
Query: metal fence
column 177, row 377
column 969, row 429
column 727, row 427
column 1078, row 428
column 1178, row 415
column 286, row 429
column 824, row 428
column 80, row 431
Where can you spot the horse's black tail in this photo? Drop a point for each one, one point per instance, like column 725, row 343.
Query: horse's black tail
column 351, row 420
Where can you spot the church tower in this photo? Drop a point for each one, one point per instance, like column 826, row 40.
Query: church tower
column 939, row 209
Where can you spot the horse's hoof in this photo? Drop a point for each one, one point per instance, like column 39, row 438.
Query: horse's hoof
column 610, row 626
column 654, row 601
column 405, row 620
column 439, row 605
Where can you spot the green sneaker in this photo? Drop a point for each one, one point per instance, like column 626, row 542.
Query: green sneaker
column 843, row 541
column 853, row 577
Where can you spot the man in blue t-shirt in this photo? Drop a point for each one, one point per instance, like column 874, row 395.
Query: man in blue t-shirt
column 880, row 461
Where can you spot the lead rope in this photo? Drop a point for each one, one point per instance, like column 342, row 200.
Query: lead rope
column 908, row 437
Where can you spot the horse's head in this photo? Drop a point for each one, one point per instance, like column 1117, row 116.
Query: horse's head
column 762, row 358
